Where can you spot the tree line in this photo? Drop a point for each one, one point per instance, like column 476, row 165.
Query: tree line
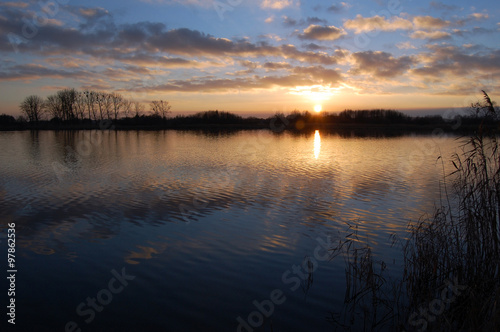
column 72, row 109
column 70, row 105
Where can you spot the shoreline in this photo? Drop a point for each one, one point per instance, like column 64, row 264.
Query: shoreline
column 358, row 128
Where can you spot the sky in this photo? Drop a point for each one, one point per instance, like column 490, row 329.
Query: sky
column 254, row 57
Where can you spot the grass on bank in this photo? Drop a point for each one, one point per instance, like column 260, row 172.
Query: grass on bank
column 451, row 279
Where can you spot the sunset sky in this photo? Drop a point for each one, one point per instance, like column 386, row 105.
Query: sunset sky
column 251, row 56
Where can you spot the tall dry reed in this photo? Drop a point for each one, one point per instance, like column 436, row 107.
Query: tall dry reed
column 451, row 279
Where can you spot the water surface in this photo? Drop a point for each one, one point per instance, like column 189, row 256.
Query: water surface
column 206, row 223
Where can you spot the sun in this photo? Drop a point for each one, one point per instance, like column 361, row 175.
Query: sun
column 318, row 108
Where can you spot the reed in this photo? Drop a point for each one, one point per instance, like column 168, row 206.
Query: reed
column 450, row 279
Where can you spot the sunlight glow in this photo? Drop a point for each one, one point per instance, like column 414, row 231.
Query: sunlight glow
column 317, row 144
column 318, row 108
column 316, row 93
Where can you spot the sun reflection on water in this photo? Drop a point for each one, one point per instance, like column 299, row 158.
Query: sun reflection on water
column 317, row 144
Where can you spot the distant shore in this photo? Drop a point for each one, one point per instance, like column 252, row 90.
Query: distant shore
column 372, row 122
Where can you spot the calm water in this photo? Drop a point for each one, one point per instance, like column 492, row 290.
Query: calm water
column 184, row 231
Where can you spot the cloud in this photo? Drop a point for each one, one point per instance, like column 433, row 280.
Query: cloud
column 338, row 8
column 479, row 16
column 101, row 38
column 37, row 71
column 471, row 18
column 197, row 3
column 363, row 24
column 381, row 64
column 270, row 19
column 14, row 4
column 406, row 46
column 276, row 65
column 434, row 35
column 315, row 20
column 93, row 12
column 429, row 23
column 319, row 74
column 474, row 31
column 436, row 5
column 314, row 47
column 276, row 4
column 318, row 32
column 297, row 76
column 451, row 61
column 290, row 22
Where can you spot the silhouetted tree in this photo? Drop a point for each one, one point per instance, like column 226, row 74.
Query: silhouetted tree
column 80, row 105
column 117, row 102
column 32, row 107
column 160, row 108
column 6, row 119
column 90, row 102
column 68, row 99
column 54, row 106
column 127, row 107
column 104, row 105
column 138, row 109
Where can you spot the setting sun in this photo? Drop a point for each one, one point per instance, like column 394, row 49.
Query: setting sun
column 318, row 108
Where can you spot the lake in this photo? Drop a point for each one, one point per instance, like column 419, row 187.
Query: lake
column 193, row 231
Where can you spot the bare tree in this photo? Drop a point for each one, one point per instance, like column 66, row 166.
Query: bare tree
column 127, row 107
column 104, row 104
column 68, row 100
column 54, row 106
column 160, row 108
column 108, row 105
column 117, row 101
column 32, row 107
column 138, row 108
column 90, row 102
column 80, row 104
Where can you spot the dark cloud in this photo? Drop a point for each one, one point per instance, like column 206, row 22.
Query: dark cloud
column 381, row 64
column 315, row 20
column 314, row 47
column 317, row 32
column 108, row 40
column 277, row 65
column 436, row 5
column 35, row 71
column 298, row 76
column 450, row 61
column 290, row 22
column 338, row 8
column 319, row 74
